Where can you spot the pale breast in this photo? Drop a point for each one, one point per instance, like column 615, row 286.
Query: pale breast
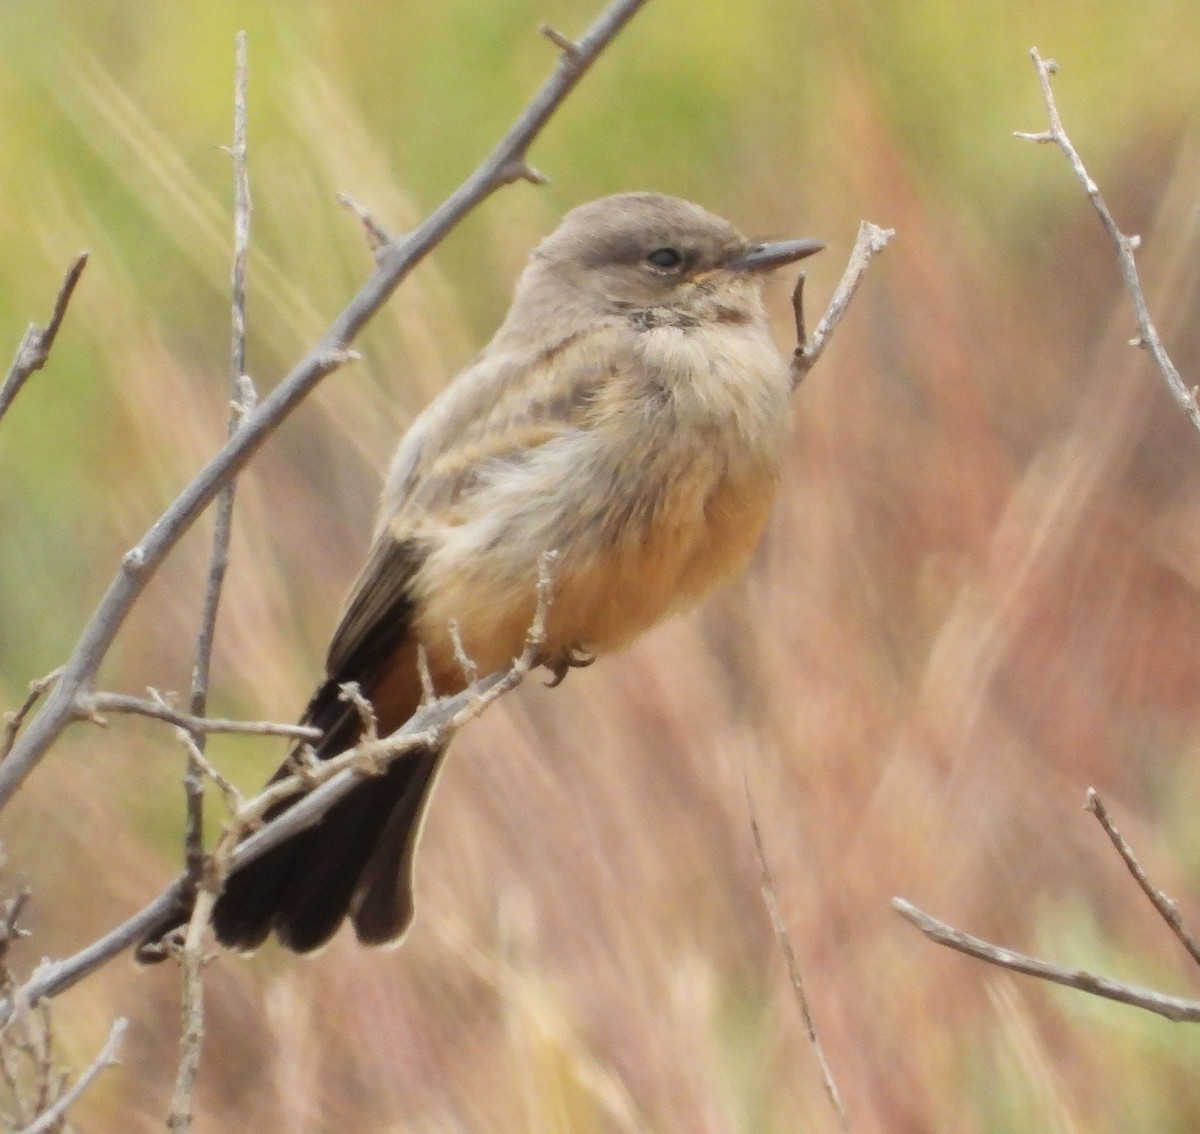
column 659, row 496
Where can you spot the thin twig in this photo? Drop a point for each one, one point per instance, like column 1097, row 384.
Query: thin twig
column 1166, row 907
column 771, row 900
column 468, row 669
column 51, row 1118
column 13, row 720
column 1126, row 246
column 351, row 693
column 377, row 236
column 234, row 800
column 95, row 705
column 140, row 563
column 34, row 349
column 191, row 1038
column 871, row 240
column 10, row 931
column 1172, row 1007
column 564, row 43
column 243, row 398
column 433, row 723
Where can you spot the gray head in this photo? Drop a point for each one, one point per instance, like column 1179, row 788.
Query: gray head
column 641, row 250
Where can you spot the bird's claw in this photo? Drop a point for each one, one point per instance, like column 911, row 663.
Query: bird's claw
column 575, row 658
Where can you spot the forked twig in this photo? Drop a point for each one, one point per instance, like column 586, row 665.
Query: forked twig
column 140, row 563
column 871, row 240
column 1172, row 1007
column 1148, row 337
column 51, row 1118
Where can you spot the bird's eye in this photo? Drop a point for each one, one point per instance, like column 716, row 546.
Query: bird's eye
column 665, row 258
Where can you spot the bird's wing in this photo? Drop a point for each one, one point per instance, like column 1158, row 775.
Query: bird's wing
column 500, row 408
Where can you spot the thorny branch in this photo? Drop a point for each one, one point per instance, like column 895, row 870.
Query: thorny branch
column 35, row 345
column 506, row 162
column 1126, row 246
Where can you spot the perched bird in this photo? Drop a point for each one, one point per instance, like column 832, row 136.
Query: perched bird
column 630, row 415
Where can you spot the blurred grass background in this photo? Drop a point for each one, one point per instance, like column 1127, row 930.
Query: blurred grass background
column 979, row 594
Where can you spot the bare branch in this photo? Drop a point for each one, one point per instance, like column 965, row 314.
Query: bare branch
column 94, row 705
column 871, row 240
column 196, row 758
column 433, row 723
column 468, row 669
column 400, row 257
column 34, row 348
column 1125, row 246
column 51, row 1118
column 1172, row 1007
column 377, row 236
column 771, row 900
column 351, row 693
column 243, row 399
column 1167, row 908
column 10, row 931
column 191, row 1039
column 13, row 720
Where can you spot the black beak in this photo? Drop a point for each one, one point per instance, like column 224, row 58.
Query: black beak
column 768, row 257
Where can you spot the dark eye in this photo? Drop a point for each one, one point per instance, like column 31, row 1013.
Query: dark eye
column 665, row 258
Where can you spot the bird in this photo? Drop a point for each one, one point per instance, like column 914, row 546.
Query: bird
column 630, row 416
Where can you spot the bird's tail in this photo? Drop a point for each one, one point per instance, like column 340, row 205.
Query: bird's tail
column 356, row 861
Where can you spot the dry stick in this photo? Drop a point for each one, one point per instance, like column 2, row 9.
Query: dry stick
column 1166, row 907
column 871, row 240
column 1125, row 245
column 433, row 723
column 505, row 164
column 51, row 1119
column 785, row 944
column 34, row 347
column 1172, row 1007
column 378, row 237
column 243, row 399
column 95, row 705
column 13, row 720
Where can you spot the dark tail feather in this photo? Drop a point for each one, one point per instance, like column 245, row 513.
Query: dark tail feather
column 371, row 832
column 382, row 905
column 356, row 860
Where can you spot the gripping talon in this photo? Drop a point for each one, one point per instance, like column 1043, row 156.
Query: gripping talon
column 575, row 658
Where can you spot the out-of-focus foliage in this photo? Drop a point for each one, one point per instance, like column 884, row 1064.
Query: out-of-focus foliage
column 978, row 597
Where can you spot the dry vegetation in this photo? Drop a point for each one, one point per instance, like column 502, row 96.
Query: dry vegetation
column 979, row 595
